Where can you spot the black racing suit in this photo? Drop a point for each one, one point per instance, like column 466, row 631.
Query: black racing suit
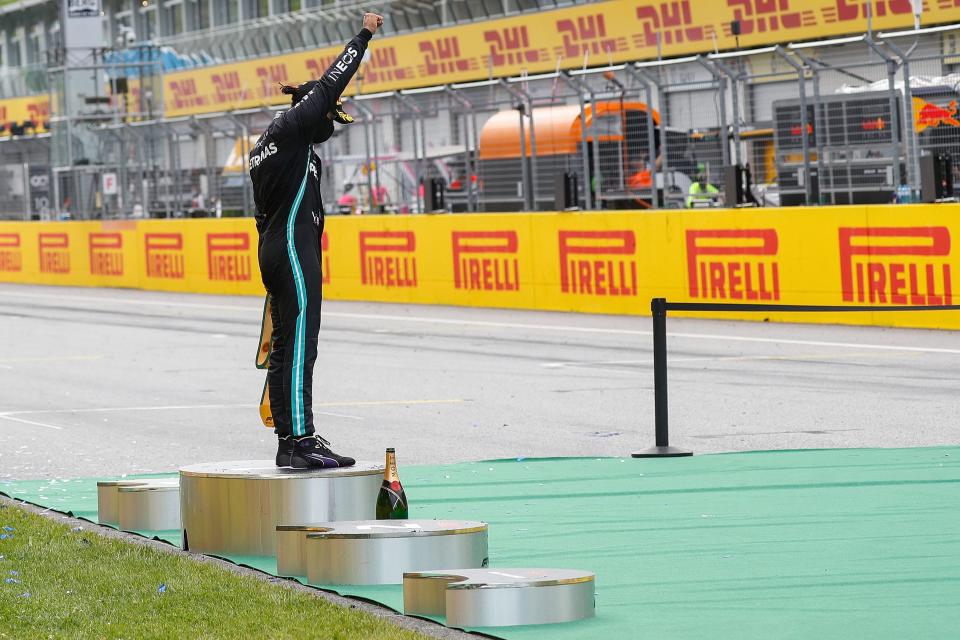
column 286, row 189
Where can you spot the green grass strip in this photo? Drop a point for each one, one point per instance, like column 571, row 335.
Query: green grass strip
column 72, row 583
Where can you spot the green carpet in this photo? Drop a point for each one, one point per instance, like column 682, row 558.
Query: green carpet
column 786, row 544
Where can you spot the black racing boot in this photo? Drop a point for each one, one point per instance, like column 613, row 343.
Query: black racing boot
column 313, row 452
column 284, row 449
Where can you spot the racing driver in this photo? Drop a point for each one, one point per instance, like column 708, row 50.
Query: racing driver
column 286, row 185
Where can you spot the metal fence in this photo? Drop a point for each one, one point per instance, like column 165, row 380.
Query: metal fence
column 838, row 122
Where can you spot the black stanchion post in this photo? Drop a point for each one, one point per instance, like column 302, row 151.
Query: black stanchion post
column 662, row 449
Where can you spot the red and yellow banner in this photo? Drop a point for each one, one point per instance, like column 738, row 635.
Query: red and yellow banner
column 596, row 34
column 599, row 263
column 33, row 108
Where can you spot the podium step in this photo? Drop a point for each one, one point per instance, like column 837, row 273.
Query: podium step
column 108, row 499
column 500, row 597
column 235, row 507
column 378, row 551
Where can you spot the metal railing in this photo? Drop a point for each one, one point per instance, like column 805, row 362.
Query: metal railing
column 659, row 308
column 835, row 122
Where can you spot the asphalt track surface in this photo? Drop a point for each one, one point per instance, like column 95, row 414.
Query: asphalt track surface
column 98, row 382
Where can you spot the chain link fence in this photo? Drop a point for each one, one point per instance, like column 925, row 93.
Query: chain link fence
column 842, row 122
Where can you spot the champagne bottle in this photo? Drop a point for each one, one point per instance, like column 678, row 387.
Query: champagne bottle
column 391, row 501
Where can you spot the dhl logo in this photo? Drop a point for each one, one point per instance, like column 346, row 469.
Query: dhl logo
column 227, row 87
column 184, row 94
column 228, row 257
column 846, row 10
column 670, row 20
column 11, row 257
column 54, row 249
column 486, row 260
column 387, row 258
column 442, row 55
column 512, row 46
column 106, row 254
column 270, row 77
column 760, row 16
column 164, row 255
column 875, row 125
column 796, row 129
column 896, row 265
column 587, row 35
column 324, row 259
column 384, row 66
column 733, row 264
column 610, row 269
column 927, row 115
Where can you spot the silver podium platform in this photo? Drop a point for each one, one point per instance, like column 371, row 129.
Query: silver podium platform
column 140, row 508
column 500, row 597
column 378, row 551
column 235, row 507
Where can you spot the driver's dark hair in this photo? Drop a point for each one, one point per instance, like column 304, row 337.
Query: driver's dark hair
column 298, row 92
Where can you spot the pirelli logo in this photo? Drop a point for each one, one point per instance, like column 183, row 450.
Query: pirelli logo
column 599, row 263
column 388, row 259
column 164, row 255
column 106, row 254
column 11, row 254
column 324, row 258
column 228, row 257
column 486, row 260
column 54, row 249
column 896, row 265
column 733, row 264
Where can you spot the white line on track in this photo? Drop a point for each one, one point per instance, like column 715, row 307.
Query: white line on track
column 50, row 359
column 502, row 325
column 31, row 422
column 359, row 403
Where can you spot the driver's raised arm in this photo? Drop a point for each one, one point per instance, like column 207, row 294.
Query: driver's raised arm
column 310, row 112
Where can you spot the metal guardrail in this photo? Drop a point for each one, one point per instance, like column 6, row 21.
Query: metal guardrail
column 659, row 308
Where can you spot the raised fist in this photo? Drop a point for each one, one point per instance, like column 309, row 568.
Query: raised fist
column 372, row 22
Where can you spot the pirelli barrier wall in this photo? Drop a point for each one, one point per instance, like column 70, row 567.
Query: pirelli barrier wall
column 589, row 262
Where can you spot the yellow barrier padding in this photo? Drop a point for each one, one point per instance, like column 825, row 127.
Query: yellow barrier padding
column 588, row 262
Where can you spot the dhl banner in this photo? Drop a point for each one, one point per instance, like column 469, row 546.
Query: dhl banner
column 596, row 34
column 33, row 108
column 593, row 33
column 601, row 263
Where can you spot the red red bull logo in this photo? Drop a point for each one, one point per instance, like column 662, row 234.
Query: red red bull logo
column 54, row 252
column 733, row 264
column 324, row 258
column 896, row 265
column 228, row 257
column 927, row 115
column 164, row 255
column 388, row 258
column 486, row 260
column 106, row 254
column 11, row 256
column 600, row 263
